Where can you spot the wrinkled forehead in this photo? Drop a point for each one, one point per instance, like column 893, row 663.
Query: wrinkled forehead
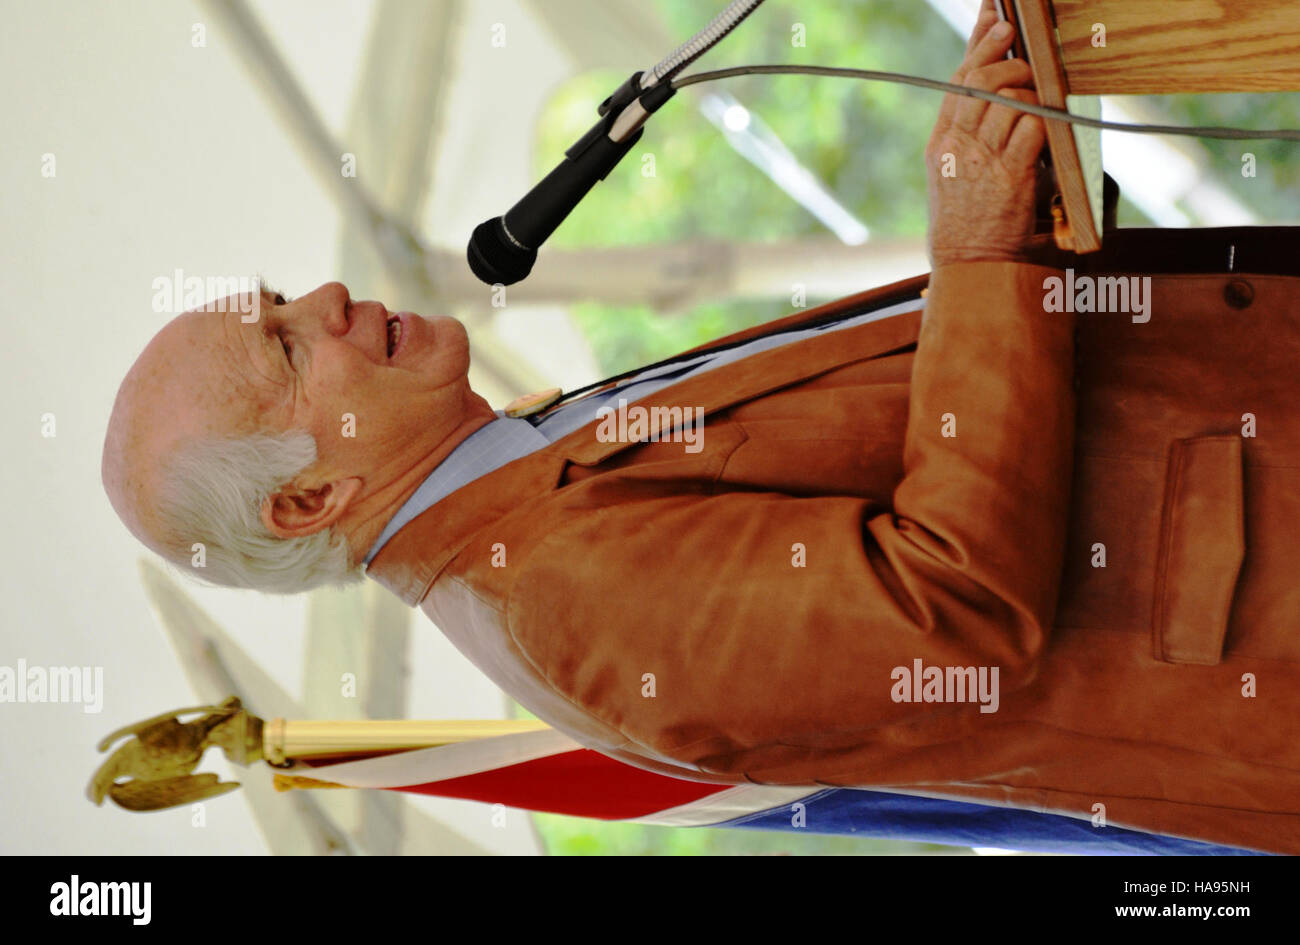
column 206, row 363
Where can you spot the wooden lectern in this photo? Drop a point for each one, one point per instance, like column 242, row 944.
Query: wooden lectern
column 1081, row 49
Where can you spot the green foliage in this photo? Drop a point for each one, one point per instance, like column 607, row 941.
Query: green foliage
column 1274, row 193
column 864, row 141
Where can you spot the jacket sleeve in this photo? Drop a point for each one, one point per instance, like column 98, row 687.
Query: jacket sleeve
column 733, row 646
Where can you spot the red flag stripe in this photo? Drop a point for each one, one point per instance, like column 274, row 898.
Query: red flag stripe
column 581, row 783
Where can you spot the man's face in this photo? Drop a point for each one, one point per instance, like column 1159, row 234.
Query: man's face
column 380, row 399
column 367, row 383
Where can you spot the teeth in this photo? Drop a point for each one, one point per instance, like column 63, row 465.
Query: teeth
column 394, row 335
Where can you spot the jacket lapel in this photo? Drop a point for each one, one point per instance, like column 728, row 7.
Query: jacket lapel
column 408, row 564
column 838, row 309
column 759, row 374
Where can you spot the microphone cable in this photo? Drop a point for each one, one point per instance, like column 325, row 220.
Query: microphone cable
column 1042, row 111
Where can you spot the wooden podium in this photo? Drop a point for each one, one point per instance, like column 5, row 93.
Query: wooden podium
column 1080, row 49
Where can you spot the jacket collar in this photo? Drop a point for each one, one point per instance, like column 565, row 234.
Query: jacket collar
column 412, row 559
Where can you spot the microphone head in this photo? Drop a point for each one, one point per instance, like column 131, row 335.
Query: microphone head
column 495, row 258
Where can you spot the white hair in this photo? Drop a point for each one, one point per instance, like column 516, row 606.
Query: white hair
column 212, row 492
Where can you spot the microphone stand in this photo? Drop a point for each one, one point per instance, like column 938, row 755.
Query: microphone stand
column 502, row 250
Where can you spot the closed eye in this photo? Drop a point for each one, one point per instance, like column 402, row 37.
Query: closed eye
column 276, row 295
column 280, row 299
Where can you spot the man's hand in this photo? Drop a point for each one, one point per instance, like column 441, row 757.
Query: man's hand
column 982, row 158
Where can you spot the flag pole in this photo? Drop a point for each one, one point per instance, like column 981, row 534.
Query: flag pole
column 154, row 768
column 288, row 740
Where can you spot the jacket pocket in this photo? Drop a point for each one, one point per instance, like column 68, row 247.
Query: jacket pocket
column 1202, row 545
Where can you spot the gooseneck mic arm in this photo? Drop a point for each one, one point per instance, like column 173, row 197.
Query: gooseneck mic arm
column 503, row 249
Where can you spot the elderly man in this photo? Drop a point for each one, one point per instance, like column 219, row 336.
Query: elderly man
column 972, row 546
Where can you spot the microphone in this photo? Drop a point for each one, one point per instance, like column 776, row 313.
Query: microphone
column 504, row 249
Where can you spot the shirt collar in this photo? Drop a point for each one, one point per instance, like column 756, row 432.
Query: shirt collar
column 487, row 449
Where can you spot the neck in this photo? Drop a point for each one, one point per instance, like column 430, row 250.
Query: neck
column 372, row 516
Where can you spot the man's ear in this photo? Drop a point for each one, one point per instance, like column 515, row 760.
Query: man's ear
column 294, row 512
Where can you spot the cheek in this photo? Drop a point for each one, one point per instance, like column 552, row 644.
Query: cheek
column 357, row 415
column 339, row 381
column 340, row 398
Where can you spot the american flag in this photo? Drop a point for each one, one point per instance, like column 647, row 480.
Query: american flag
column 547, row 771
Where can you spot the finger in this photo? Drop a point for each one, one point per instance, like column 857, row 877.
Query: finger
column 991, row 48
column 985, row 48
column 988, row 15
column 999, row 120
column 1026, row 141
column 1005, row 74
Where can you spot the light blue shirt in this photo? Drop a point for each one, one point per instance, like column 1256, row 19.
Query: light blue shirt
column 507, row 439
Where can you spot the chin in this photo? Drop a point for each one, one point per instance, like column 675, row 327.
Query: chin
column 445, row 325
column 451, row 340
column 447, row 359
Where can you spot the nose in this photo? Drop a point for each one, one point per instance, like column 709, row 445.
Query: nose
column 330, row 304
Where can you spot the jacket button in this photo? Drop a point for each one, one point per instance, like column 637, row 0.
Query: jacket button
column 1239, row 293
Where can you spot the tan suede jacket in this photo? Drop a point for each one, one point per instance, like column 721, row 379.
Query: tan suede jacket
column 1105, row 510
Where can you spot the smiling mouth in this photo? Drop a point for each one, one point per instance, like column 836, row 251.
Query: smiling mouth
column 394, row 334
